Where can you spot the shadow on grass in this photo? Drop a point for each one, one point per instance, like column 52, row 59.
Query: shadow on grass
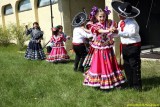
column 150, row 83
column 63, row 62
column 71, row 61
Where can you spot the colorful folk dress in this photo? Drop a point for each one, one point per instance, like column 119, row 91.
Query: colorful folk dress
column 34, row 50
column 104, row 71
column 58, row 52
column 88, row 58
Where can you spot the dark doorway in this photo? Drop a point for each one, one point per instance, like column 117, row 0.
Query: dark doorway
column 149, row 31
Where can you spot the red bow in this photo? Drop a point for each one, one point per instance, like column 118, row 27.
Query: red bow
column 122, row 25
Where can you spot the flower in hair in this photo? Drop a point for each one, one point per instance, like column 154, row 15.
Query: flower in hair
column 107, row 11
column 94, row 8
column 93, row 12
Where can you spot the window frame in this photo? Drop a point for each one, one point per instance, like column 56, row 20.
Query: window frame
column 38, row 3
column 24, row 9
column 4, row 11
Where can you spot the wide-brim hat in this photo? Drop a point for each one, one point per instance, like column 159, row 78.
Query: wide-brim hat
column 79, row 19
column 125, row 9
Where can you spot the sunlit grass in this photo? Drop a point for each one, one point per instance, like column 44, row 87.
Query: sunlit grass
column 25, row 83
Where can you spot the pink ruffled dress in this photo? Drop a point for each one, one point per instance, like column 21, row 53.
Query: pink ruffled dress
column 58, row 52
column 104, row 71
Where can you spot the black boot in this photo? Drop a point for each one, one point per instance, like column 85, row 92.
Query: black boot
column 75, row 69
column 81, row 69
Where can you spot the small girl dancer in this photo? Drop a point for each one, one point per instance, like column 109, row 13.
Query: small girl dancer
column 58, row 52
column 93, row 20
column 34, row 50
column 50, row 44
column 104, row 71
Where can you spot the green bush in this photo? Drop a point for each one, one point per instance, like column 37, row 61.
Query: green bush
column 5, row 36
column 19, row 35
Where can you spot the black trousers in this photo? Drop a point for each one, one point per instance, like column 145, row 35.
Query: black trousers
column 80, row 51
column 132, row 65
column 49, row 49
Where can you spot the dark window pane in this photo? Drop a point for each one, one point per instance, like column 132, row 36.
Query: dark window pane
column 46, row 2
column 8, row 9
column 24, row 5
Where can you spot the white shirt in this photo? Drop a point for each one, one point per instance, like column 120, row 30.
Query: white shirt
column 130, row 34
column 79, row 35
column 50, row 44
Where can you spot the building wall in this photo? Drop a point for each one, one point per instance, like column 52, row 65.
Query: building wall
column 7, row 19
column 45, row 22
column 39, row 14
column 26, row 17
column 0, row 20
column 1, row 15
column 78, row 5
column 44, row 17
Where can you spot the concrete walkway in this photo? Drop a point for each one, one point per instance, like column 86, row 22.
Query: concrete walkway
column 151, row 56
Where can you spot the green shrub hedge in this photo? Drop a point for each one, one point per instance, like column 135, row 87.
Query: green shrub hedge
column 13, row 33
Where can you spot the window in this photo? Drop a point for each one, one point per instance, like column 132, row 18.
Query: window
column 8, row 10
column 24, row 5
column 42, row 3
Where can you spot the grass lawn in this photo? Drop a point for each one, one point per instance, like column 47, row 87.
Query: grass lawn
column 25, row 83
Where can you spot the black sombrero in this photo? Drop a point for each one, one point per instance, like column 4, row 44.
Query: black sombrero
column 125, row 9
column 79, row 19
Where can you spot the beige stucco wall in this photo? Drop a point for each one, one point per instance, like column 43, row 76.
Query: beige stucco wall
column 41, row 15
column 44, row 17
column 0, row 20
column 7, row 19
column 78, row 5
column 26, row 17
column 2, row 4
column 45, row 22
